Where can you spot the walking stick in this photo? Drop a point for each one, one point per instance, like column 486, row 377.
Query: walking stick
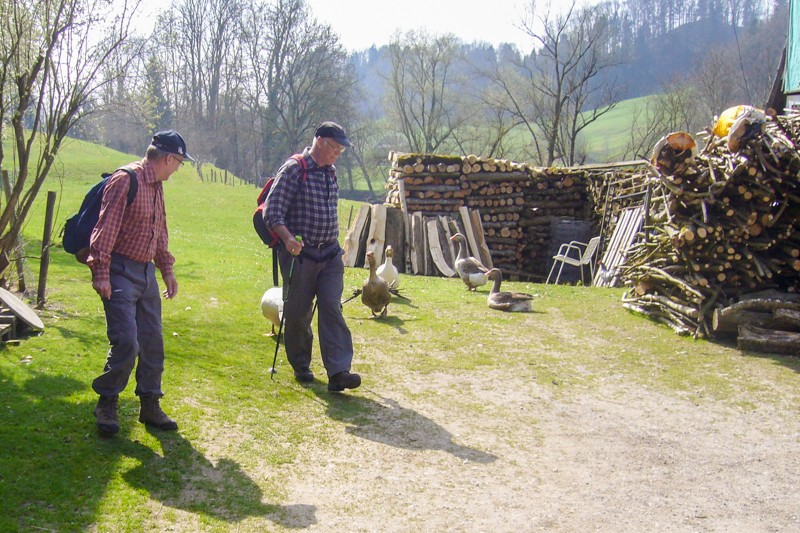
column 273, row 371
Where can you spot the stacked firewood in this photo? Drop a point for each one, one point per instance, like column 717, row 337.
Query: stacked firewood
column 497, row 194
column 726, row 228
column 429, row 184
column 433, row 186
column 517, row 202
column 554, row 193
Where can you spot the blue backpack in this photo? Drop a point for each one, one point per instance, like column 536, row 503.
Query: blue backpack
column 78, row 228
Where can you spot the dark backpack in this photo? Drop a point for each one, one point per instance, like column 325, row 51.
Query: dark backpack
column 78, row 228
column 269, row 237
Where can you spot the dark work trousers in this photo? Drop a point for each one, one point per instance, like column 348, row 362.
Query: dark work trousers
column 316, row 274
column 133, row 324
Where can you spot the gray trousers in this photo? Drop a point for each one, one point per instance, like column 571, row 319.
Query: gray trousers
column 316, row 274
column 133, row 325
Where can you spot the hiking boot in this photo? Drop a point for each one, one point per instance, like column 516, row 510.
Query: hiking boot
column 343, row 380
column 106, row 414
column 152, row 415
column 304, row 375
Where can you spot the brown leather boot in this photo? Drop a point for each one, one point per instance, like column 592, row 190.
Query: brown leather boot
column 152, row 415
column 106, row 414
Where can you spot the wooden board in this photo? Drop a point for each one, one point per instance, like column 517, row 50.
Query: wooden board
column 468, row 233
column 395, row 236
column 436, row 249
column 445, row 222
column 21, row 310
column 406, row 258
column 428, row 269
column 480, row 239
column 377, row 231
column 417, row 244
column 353, row 238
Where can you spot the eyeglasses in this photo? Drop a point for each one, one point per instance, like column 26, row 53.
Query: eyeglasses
column 335, row 147
column 180, row 161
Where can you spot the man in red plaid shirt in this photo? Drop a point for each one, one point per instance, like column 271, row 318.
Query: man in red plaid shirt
column 127, row 245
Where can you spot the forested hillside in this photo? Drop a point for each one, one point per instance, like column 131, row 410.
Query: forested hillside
column 247, row 98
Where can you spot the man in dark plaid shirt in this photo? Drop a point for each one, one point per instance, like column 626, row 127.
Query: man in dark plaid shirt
column 305, row 203
column 127, row 244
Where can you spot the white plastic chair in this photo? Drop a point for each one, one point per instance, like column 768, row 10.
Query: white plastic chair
column 578, row 254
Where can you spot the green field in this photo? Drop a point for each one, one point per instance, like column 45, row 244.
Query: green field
column 606, row 138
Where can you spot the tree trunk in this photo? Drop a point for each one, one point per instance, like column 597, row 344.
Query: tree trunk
column 757, row 339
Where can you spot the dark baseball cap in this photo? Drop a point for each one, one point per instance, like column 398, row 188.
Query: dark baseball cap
column 333, row 131
column 172, row 142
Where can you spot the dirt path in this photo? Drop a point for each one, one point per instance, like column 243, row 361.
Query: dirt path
column 618, row 458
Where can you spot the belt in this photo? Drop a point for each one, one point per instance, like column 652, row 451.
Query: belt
column 321, row 245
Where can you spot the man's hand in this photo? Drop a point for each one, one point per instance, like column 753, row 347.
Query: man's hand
column 103, row 288
column 171, row 285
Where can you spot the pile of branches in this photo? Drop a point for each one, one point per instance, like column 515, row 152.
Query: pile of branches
column 727, row 227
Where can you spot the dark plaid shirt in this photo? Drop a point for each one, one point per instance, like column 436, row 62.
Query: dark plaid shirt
column 306, row 207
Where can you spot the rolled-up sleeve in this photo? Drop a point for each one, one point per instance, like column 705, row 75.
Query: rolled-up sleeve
column 163, row 259
column 104, row 234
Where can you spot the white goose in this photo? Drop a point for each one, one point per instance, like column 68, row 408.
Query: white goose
column 272, row 306
column 388, row 271
column 471, row 271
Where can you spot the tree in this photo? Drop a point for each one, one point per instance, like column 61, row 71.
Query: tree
column 299, row 76
column 423, row 90
column 675, row 108
column 565, row 79
column 50, row 60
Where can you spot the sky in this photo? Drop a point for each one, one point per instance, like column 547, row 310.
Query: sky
column 362, row 23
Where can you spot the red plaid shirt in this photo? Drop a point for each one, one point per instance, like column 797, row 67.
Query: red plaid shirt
column 138, row 232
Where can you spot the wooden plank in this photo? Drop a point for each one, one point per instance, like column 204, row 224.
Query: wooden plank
column 417, row 244
column 351, row 241
column 436, row 249
column 445, row 222
column 628, row 228
column 474, row 251
column 377, row 232
column 21, row 310
column 628, row 224
column 480, row 239
column 611, row 249
column 428, row 268
column 6, row 332
column 395, row 236
column 401, row 188
column 8, row 325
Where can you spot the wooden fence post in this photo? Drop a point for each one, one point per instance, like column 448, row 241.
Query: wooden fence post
column 45, row 261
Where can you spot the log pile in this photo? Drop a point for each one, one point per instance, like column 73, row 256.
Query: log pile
column 726, row 228
column 515, row 202
column 553, row 193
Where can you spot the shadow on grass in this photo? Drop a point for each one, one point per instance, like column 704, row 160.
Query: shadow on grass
column 386, row 421
column 184, row 478
column 55, row 469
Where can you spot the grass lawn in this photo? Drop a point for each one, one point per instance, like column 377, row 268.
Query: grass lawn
column 243, row 437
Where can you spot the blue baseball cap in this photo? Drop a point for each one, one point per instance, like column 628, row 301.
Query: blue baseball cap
column 172, row 142
column 333, row 131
